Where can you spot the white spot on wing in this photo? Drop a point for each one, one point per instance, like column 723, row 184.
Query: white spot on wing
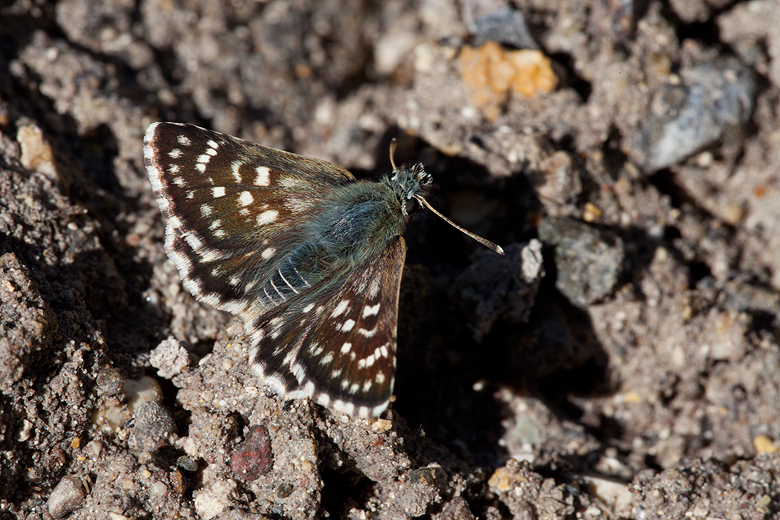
column 184, row 140
column 266, row 217
column 175, row 153
column 174, row 222
column 206, row 210
column 273, row 381
column 193, row 241
column 370, row 310
column 193, row 286
column 297, row 205
column 373, row 289
column 346, row 348
column 246, row 198
column 235, row 166
column 218, row 191
column 341, row 307
column 289, row 182
column 209, row 255
column 263, row 176
column 368, row 333
column 347, row 325
column 268, row 253
column 298, row 371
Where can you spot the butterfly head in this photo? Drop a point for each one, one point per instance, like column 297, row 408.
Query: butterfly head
column 411, row 184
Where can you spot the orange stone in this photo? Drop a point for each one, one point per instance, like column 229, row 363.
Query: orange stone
column 492, row 72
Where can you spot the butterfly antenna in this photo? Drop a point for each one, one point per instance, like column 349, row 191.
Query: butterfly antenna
column 487, row 243
column 393, row 146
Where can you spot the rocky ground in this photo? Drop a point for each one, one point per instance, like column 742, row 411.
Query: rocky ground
column 621, row 361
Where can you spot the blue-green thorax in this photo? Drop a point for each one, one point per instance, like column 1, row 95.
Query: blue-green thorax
column 362, row 217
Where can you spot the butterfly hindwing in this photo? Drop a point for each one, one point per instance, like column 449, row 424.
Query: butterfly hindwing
column 233, row 208
column 339, row 349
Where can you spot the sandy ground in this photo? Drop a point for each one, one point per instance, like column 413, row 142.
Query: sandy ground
column 622, row 360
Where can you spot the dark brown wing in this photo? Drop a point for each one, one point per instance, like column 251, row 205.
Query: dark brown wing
column 233, row 209
column 338, row 346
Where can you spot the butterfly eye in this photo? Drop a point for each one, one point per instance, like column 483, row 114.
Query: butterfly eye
column 411, row 205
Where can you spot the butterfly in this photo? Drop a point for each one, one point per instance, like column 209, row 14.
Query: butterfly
column 308, row 256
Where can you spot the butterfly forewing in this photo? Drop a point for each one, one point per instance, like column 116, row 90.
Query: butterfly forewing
column 338, row 349
column 233, row 208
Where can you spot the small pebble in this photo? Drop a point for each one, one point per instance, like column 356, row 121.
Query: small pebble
column 26, row 432
column 177, row 481
column 187, row 464
column 159, row 489
column 94, row 448
column 170, row 358
column 66, row 496
column 140, row 391
column 154, row 426
column 432, row 475
column 381, row 425
column 284, row 490
column 589, row 260
column 491, row 72
column 764, row 444
column 714, row 100
column 592, row 213
column 253, row 457
column 110, row 381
